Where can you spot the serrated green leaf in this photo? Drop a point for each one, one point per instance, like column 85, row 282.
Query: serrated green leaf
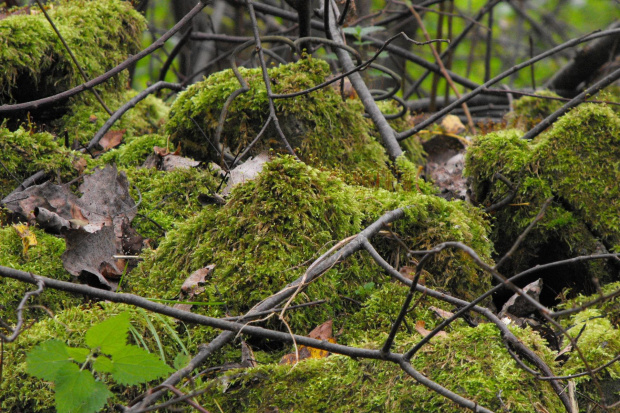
column 47, row 359
column 103, row 364
column 78, row 354
column 111, row 335
column 78, row 392
column 134, row 366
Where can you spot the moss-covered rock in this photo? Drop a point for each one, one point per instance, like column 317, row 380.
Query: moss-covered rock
column 34, row 62
column 271, row 228
column 24, row 152
column 577, row 162
column 22, row 392
column 324, row 130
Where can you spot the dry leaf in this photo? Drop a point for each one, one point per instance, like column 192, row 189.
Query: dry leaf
column 79, row 164
column 322, row 332
column 112, row 139
column 441, row 313
column 452, row 124
column 28, row 238
column 419, row 327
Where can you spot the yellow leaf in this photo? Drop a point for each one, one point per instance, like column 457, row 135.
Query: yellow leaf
column 28, row 238
column 452, row 124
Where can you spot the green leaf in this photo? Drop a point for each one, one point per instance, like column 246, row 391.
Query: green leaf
column 111, row 335
column 47, row 359
column 78, row 354
column 181, row 360
column 134, row 366
column 103, row 364
column 78, row 392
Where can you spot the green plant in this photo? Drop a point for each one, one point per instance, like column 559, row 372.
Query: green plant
column 77, row 388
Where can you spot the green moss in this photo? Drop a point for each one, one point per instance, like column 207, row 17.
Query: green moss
column 340, row 384
column 85, row 116
column 564, row 162
column 43, row 258
column 271, row 228
column 34, row 62
column 528, row 110
column 134, row 151
column 324, row 130
column 23, row 153
column 21, row 392
column 168, row 198
column 599, row 342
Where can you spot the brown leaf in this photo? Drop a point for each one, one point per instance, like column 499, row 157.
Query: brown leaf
column 441, row 313
column 112, row 139
column 419, row 327
column 92, row 118
column 192, row 286
column 79, row 164
column 160, row 151
column 322, row 332
column 172, row 162
column 407, row 272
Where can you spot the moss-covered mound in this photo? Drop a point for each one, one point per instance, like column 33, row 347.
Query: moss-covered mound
column 576, row 161
column 43, row 258
column 24, row 152
column 320, row 126
column 20, row 392
column 597, row 330
column 528, row 110
column 85, row 116
column 168, row 198
column 271, row 229
column 484, row 373
column 34, row 62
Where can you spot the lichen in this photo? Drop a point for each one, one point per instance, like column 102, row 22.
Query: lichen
column 324, row 130
column 34, row 62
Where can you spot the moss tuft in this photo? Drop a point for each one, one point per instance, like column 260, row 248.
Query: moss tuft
column 566, row 162
column 34, row 62
column 23, row 153
column 324, row 130
column 483, row 373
